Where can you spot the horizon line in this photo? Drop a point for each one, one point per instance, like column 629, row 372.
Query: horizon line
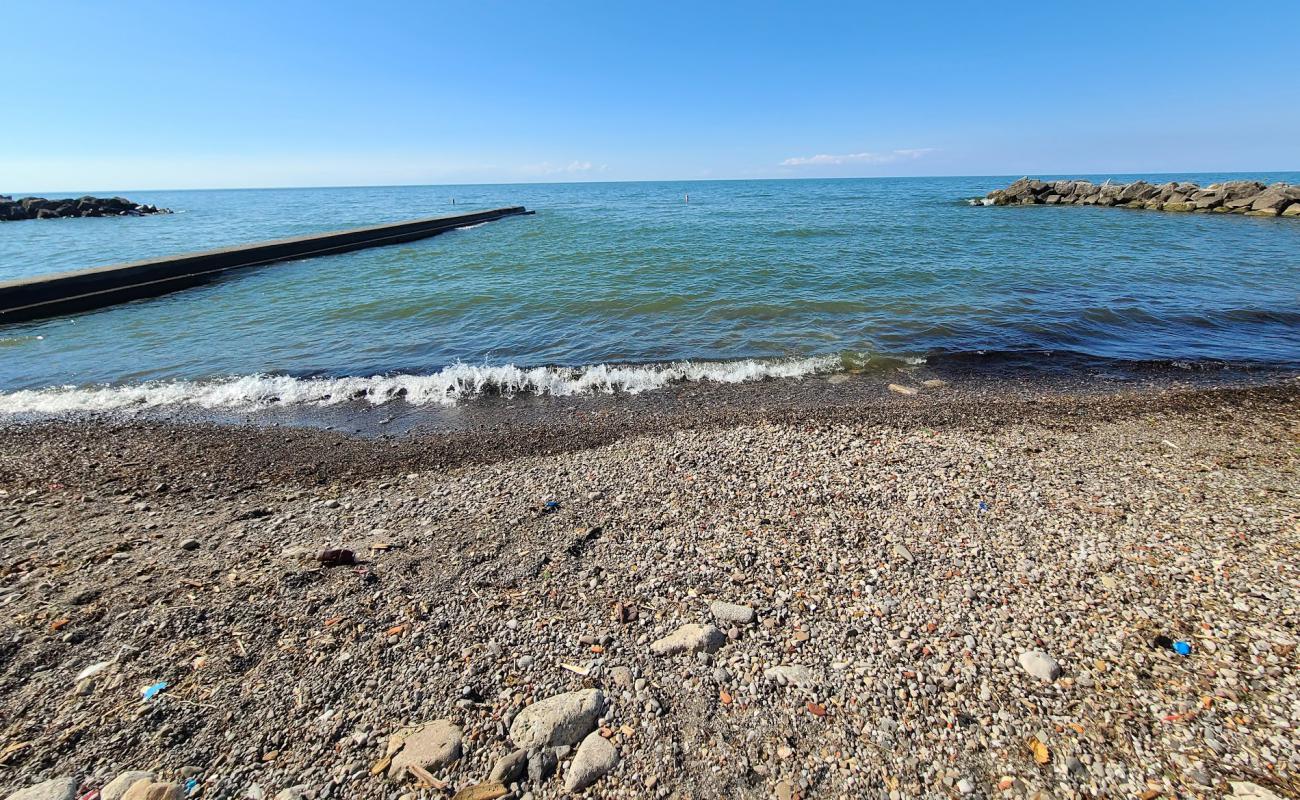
column 662, row 180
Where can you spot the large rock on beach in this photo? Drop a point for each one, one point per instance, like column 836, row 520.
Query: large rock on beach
column 595, row 757
column 556, row 721
column 53, row 789
column 151, row 790
column 116, row 789
column 431, row 746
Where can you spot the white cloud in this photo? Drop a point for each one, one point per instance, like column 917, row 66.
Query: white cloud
column 824, row 160
column 572, row 168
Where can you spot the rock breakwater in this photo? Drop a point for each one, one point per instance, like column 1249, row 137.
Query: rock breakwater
column 1251, row 198
column 12, row 210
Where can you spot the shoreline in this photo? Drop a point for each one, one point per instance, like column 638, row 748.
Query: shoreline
column 899, row 554
column 359, row 440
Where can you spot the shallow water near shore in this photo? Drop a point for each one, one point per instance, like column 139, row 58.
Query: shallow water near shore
column 628, row 288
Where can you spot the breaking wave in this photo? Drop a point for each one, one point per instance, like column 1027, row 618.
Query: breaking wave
column 445, row 387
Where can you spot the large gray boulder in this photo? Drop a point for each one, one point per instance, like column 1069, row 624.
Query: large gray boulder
column 53, row 789
column 1270, row 199
column 556, row 721
column 117, row 787
column 595, row 757
column 432, row 746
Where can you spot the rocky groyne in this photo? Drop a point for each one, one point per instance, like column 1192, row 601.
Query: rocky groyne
column 12, row 210
column 1251, row 198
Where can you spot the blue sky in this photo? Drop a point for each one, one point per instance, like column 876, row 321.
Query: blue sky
column 148, row 95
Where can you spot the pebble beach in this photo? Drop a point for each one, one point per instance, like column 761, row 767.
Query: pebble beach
column 1086, row 597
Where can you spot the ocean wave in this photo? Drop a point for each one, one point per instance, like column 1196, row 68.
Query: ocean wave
column 445, row 387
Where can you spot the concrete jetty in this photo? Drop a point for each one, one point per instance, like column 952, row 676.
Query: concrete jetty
column 82, row 290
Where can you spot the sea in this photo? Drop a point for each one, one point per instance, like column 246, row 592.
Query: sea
column 633, row 287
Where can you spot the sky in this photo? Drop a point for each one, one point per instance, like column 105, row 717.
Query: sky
column 164, row 95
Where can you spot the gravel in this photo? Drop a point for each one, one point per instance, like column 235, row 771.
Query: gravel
column 1083, row 531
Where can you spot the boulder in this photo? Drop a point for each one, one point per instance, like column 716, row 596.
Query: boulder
column 595, row 757
column 150, row 790
column 1180, row 205
column 432, row 746
column 53, row 789
column 1207, row 200
column 560, row 720
column 1137, row 190
column 1271, row 198
column 510, row 768
column 117, row 787
column 1237, row 189
column 1292, row 210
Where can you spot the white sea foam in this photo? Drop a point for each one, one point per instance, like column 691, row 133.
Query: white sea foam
column 445, row 387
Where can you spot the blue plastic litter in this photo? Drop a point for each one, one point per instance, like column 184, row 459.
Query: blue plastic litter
column 1183, row 648
column 154, row 690
column 551, row 505
column 191, row 785
column 984, row 506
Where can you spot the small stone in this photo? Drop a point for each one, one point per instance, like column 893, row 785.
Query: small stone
column 791, row 674
column 510, row 768
column 731, row 612
column 965, row 786
column 431, row 746
column 596, row 756
column 1040, row 665
column 622, row 676
column 541, row 765
column 690, row 638
column 1252, row 791
column 560, row 720
column 902, row 552
column 191, row 544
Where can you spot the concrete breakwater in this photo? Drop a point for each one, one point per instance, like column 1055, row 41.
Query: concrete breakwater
column 1251, row 198
column 69, row 292
column 12, row 210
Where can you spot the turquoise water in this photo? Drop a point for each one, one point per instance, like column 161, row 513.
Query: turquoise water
column 749, row 278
